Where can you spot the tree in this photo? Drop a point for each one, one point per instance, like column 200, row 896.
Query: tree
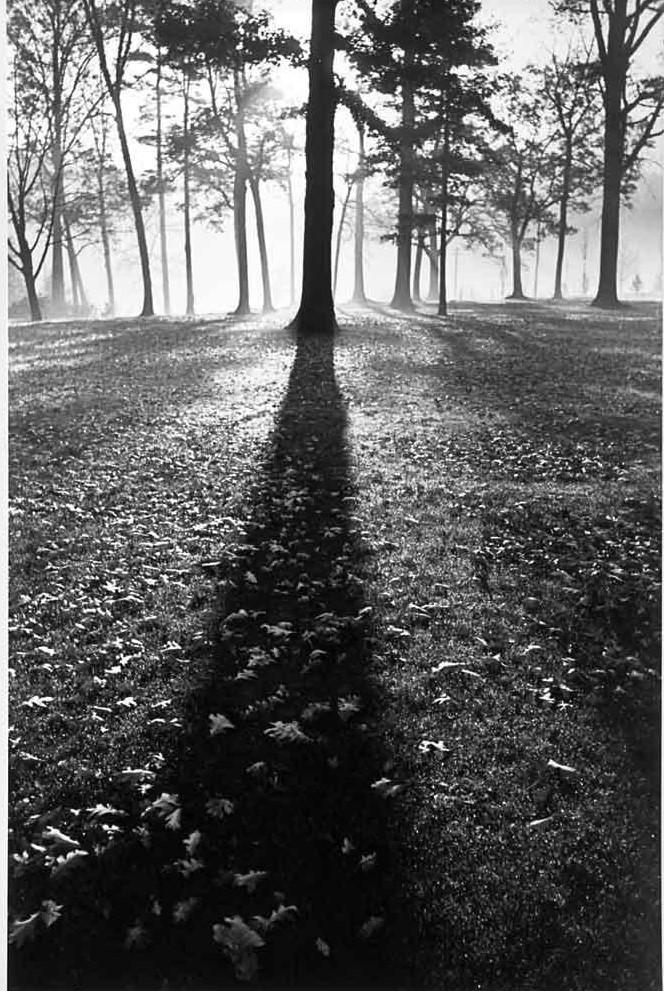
column 121, row 19
column 411, row 50
column 359, row 296
column 29, row 192
column 316, row 311
column 632, row 107
column 521, row 182
column 50, row 43
column 570, row 90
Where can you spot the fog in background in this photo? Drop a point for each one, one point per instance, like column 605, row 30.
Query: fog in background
column 523, row 32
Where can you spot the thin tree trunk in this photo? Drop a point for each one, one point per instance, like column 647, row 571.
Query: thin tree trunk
column 165, row 280
column 189, row 274
column 105, row 240
column 607, row 290
column 537, row 261
column 432, row 294
column 340, row 230
column 359, row 295
column 135, row 200
column 442, row 290
column 417, row 275
column 57, row 272
column 254, row 185
column 402, row 298
column 240, row 205
column 78, row 289
column 31, row 289
column 316, row 312
column 562, row 222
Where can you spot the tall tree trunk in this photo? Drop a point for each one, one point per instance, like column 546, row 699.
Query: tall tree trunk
column 607, row 291
column 135, row 200
column 402, row 298
column 417, row 275
column 78, row 290
column 105, row 240
column 316, row 312
column 432, row 294
column 165, row 281
column 537, row 261
column 291, row 225
column 340, row 230
column 254, row 185
column 58, row 272
column 240, row 204
column 442, row 290
column 562, row 221
column 517, row 284
column 189, row 273
column 31, row 290
column 359, row 295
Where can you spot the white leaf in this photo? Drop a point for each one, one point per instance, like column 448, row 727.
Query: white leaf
column 24, row 930
column 249, row 881
column 286, row 732
column 219, row 724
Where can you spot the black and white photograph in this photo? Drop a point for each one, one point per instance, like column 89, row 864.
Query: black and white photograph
column 333, row 494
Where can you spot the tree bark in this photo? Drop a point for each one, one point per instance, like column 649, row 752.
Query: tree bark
column 340, row 230
column 517, row 284
column 165, row 280
column 291, row 224
column 417, row 275
column 614, row 75
column 78, row 290
column 105, row 240
column 57, row 273
column 402, row 298
column 316, row 312
column 240, row 205
column 359, row 295
column 562, row 221
column 135, row 200
column 189, row 274
column 254, row 185
column 442, row 290
column 432, row 294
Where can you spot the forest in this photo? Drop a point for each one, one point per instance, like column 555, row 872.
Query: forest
column 147, row 120
column 334, row 494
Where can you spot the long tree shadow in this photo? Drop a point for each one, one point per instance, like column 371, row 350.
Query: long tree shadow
column 261, row 849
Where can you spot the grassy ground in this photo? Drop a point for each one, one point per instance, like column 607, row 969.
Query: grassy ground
column 336, row 666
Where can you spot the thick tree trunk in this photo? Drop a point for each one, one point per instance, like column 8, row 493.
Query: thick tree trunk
column 105, row 241
column 417, row 275
column 135, row 200
column 165, row 280
column 607, row 291
column 316, row 312
column 432, row 294
column 254, row 185
column 189, row 274
column 517, row 284
column 442, row 285
column 359, row 295
column 30, row 281
column 291, row 227
column 562, row 221
column 340, row 230
column 402, row 298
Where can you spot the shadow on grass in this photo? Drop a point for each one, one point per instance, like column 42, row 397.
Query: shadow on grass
column 272, row 806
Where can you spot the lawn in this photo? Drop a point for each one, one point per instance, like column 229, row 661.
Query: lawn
column 336, row 664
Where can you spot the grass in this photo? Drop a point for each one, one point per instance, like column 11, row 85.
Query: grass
column 418, row 574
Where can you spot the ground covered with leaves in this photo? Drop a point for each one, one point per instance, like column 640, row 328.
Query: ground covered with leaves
column 334, row 663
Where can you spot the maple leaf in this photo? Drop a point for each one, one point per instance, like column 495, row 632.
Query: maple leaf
column 65, row 862
column 239, row 943
column 50, row 912
column 58, row 839
column 257, row 770
column 249, row 881
column 164, row 806
column 136, row 937
column 192, row 842
column 286, row 732
column 23, row 930
column 372, row 926
column 182, row 910
column 99, row 810
column 426, row 746
column 219, row 808
column 322, row 947
column 173, row 821
column 219, row 724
